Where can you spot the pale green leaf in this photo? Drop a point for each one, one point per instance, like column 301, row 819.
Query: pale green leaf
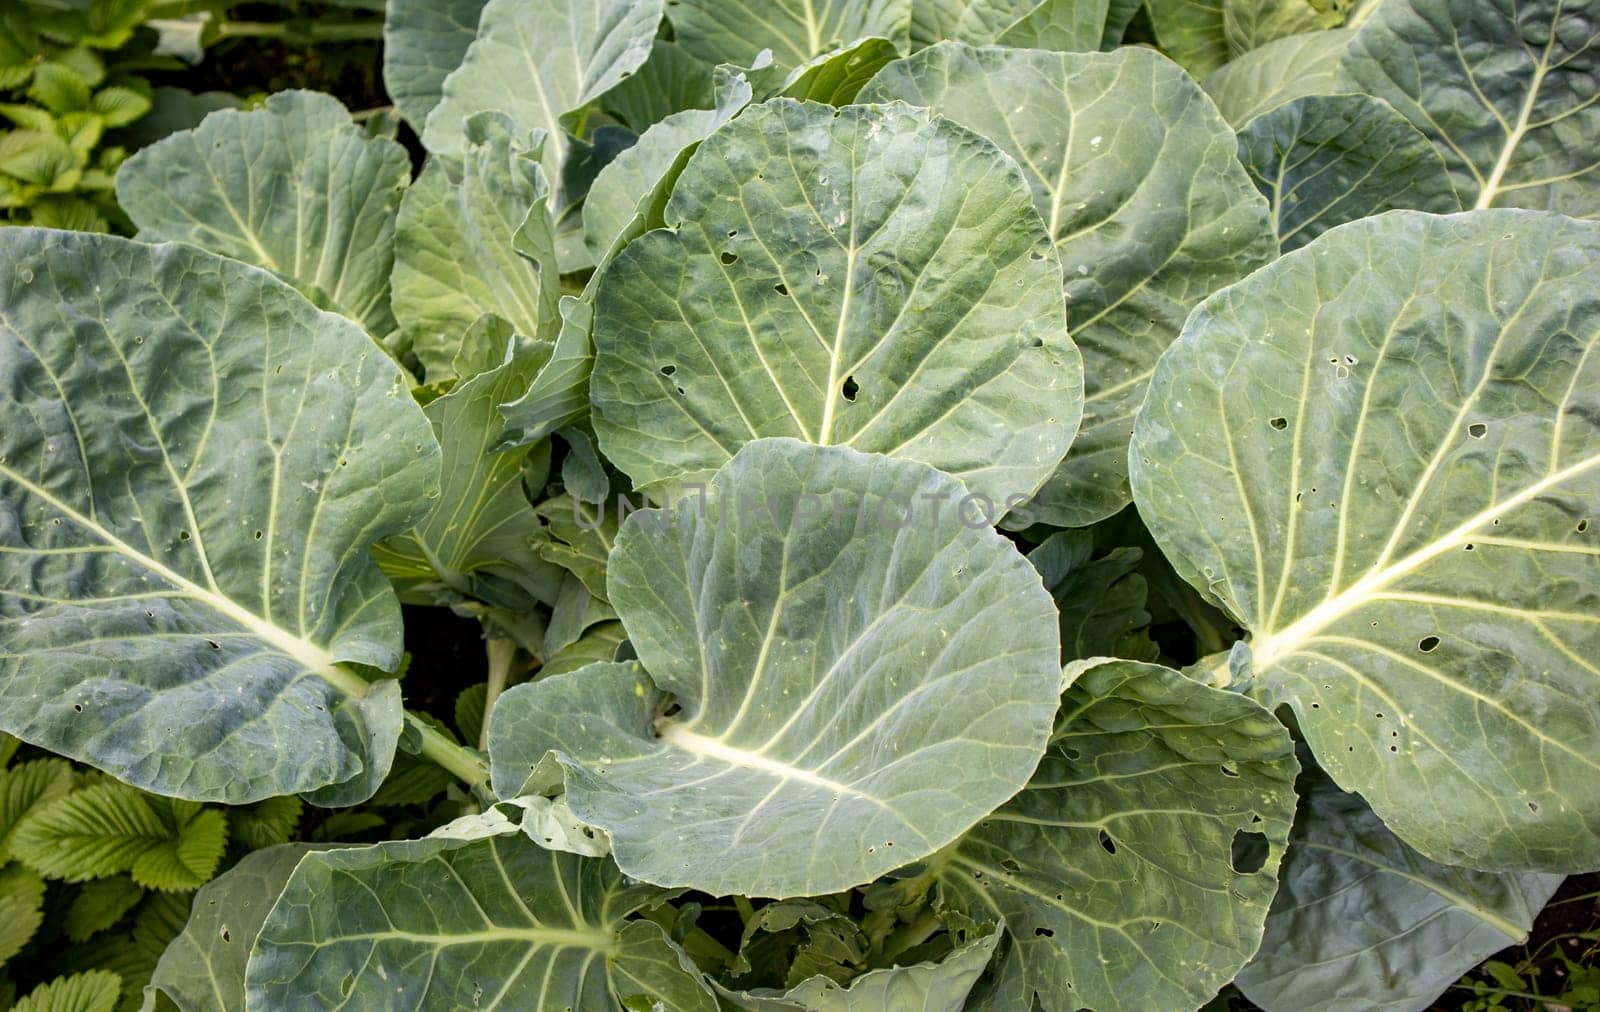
column 837, row 76
column 638, row 179
column 423, row 41
column 295, row 187
column 1115, row 868
column 479, row 539
column 538, row 60
column 1505, row 89
column 1250, row 24
column 185, row 560
column 598, row 643
column 940, row 986
column 93, row 991
column 736, row 31
column 203, row 969
column 1324, row 160
column 559, row 394
column 455, row 258
column 1190, row 32
column 21, row 908
column 892, row 290
column 1278, row 72
column 1422, row 925
column 1381, row 454
column 1138, row 180
column 1062, row 25
column 853, row 696
column 502, row 923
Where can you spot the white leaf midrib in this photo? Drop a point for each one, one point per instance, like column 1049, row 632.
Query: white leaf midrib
column 306, row 653
column 1270, row 647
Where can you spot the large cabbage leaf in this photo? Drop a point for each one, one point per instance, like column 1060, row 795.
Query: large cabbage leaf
column 869, row 276
column 1324, row 160
column 538, row 60
column 1363, row 921
column 736, row 31
column 1381, row 454
column 295, row 186
column 423, row 41
column 489, row 923
column 827, row 688
column 1138, row 181
column 1063, row 25
column 1278, row 72
column 1136, row 868
column 1505, row 89
column 193, row 465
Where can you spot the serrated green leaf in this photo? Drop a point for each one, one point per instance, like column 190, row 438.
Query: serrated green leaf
column 1416, row 572
column 171, row 604
column 42, row 159
column 59, row 88
column 94, row 991
column 1138, row 181
column 1101, row 600
column 26, row 786
column 791, row 640
column 863, row 318
column 203, row 969
column 1422, row 925
column 99, row 905
column 295, row 187
column 1114, row 868
column 423, row 41
column 21, row 907
column 736, row 31
column 454, row 254
column 272, row 821
column 1324, row 160
column 412, row 781
column 1516, row 122
column 92, row 832
column 120, row 104
column 187, row 860
column 506, row 924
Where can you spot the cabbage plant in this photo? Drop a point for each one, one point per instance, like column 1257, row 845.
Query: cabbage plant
column 961, row 514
